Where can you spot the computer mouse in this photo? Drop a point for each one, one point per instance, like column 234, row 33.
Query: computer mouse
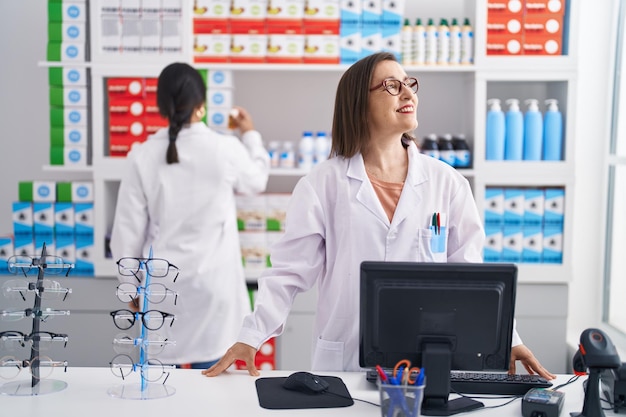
column 305, row 382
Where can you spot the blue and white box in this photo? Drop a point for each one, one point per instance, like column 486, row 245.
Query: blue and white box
column 392, row 12
column 371, row 39
column 492, row 251
column 23, row 219
column 83, row 220
column 40, row 240
column 66, row 248
column 532, row 251
column 43, row 219
column 350, row 12
column 512, row 243
column 64, row 222
column 349, row 43
column 553, row 245
column 513, row 206
column 554, row 207
column 220, row 78
column 24, row 245
column 494, row 206
column 84, row 265
column 372, row 12
column 6, row 251
column 220, row 98
column 533, row 207
column 391, row 41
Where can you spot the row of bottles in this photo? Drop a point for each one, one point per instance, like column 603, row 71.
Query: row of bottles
column 445, row 44
column 312, row 149
column 450, row 149
column 529, row 136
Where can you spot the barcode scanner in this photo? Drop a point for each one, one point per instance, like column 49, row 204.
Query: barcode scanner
column 596, row 353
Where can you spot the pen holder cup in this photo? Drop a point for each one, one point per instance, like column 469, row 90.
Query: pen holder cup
column 400, row 400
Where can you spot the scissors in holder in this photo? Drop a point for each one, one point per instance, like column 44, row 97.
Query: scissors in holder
column 404, row 374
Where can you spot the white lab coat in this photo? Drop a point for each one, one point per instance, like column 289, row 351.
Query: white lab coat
column 186, row 212
column 334, row 222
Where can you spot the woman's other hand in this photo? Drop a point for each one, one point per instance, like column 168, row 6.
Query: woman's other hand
column 531, row 364
column 241, row 119
column 239, row 351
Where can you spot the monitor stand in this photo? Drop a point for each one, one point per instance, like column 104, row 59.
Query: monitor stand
column 458, row 405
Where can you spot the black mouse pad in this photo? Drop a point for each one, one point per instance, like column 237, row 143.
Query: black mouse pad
column 274, row 396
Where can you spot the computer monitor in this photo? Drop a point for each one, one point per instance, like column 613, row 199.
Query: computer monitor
column 441, row 317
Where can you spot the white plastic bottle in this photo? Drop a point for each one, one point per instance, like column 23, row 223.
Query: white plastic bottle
column 406, row 42
column 305, row 151
column 533, row 131
column 322, row 147
column 274, row 152
column 431, row 43
column 514, row 135
column 455, row 43
column 494, row 142
column 467, row 43
column 443, row 43
column 287, row 156
column 419, row 43
column 552, row 132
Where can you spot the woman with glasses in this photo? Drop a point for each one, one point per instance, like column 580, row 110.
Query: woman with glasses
column 376, row 198
column 177, row 197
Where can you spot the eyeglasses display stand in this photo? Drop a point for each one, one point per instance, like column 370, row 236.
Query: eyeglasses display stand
column 151, row 370
column 36, row 385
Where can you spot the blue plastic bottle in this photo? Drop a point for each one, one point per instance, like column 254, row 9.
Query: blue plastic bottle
column 494, row 142
column 514, row 131
column 552, row 132
column 533, row 131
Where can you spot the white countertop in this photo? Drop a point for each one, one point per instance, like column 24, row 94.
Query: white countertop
column 232, row 393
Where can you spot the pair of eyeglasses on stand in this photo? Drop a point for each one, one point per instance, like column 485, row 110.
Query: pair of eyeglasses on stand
column 151, row 319
column 13, row 340
column 10, row 367
column 156, row 267
column 155, row 292
column 151, row 370
column 153, row 343
column 43, row 315
column 48, row 289
column 53, row 265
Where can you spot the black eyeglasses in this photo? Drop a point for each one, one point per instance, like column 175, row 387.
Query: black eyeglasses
column 11, row 340
column 394, row 87
column 152, row 319
column 156, row 267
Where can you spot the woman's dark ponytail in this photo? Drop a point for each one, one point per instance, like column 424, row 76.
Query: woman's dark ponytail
column 180, row 90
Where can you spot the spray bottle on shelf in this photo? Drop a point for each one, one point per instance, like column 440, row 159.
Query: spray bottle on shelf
column 455, row 43
column 467, row 43
column 494, row 142
column 514, row 131
column 407, row 43
column 552, row 132
column 533, row 131
column 273, row 149
column 419, row 43
column 443, row 43
column 431, row 43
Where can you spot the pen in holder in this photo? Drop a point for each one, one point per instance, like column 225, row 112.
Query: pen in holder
column 403, row 400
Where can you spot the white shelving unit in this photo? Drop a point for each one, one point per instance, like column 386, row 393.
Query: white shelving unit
column 452, row 100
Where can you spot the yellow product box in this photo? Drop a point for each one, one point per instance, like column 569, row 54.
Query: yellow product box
column 251, row 212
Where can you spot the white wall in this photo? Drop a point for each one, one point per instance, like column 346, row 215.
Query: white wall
column 24, row 131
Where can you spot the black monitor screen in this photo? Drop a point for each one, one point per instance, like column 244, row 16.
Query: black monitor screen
column 440, row 316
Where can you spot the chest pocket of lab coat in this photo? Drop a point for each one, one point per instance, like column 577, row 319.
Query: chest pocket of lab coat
column 432, row 246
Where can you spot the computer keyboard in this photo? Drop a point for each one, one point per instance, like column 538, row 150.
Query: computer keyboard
column 495, row 383
column 488, row 382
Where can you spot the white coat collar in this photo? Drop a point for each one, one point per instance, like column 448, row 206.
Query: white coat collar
column 410, row 196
